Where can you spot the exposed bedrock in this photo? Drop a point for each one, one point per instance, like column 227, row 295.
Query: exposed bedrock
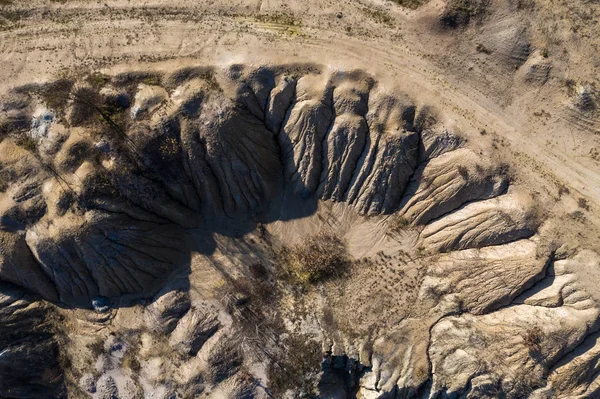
column 490, row 222
column 474, row 281
column 105, row 255
column 110, row 177
column 449, row 181
column 301, row 137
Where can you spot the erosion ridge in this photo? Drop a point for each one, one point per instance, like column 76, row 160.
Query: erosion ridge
column 116, row 169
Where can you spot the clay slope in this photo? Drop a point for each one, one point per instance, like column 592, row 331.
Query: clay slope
column 102, row 185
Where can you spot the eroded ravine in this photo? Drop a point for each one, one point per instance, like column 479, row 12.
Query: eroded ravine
column 153, row 206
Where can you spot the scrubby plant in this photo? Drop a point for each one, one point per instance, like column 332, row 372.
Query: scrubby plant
column 98, row 79
column 464, row 172
column 583, row 204
column 317, row 259
column 55, row 95
column 459, row 13
column 398, row 223
column 532, row 339
column 28, row 143
column 299, row 367
column 412, row 4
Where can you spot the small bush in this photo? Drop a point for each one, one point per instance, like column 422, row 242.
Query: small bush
column 258, row 271
column 578, row 216
column 562, row 190
column 379, row 16
column 152, row 80
column 319, row 258
column 96, row 348
column 28, row 143
column 532, row 339
column 412, row 4
column 482, row 49
column 398, row 223
column 583, row 204
column 459, row 13
column 131, row 362
column 98, row 79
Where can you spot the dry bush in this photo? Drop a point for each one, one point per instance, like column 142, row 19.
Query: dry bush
column 532, row 339
column 298, row 368
column 398, row 223
column 412, row 4
column 56, row 94
column 319, row 258
column 458, row 13
column 27, row 143
column 583, row 204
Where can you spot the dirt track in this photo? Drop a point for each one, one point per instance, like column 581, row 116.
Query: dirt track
column 97, row 35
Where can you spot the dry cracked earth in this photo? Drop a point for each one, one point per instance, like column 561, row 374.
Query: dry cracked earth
column 318, row 199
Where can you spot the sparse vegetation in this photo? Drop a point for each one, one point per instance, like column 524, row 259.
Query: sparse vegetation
column 318, row 259
column 583, row 204
column 525, row 4
column 398, row 223
column 412, row 4
column 459, row 13
column 378, row 16
column 299, row 368
column 577, row 216
column 169, row 147
column 3, row 183
column 532, row 339
column 278, row 18
column 463, row 171
column 10, row 15
column 98, row 80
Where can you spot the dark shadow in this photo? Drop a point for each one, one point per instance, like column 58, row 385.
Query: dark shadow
column 30, row 363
